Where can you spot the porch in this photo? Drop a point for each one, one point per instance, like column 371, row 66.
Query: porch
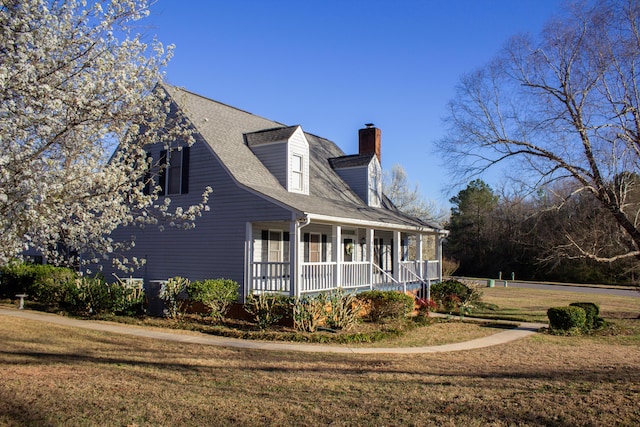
column 275, row 277
column 325, row 257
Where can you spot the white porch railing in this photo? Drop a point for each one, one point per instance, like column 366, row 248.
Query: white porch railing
column 270, row 277
column 356, row 274
column 319, row 277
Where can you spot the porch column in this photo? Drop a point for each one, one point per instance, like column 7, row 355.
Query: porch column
column 397, row 254
column 295, row 281
column 439, row 240
column 336, row 255
column 419, row 255
column 369, row 257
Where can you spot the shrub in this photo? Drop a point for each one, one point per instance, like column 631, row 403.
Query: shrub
column 344, row 310
column 216, row 294
column 592, row 312
column 43, row 283
column 171, row 294
column 309, row 312
column 425, row 306
column 93, row 295
column 453, row 295
column 567, row 319
column 386, row 304
column 266, row 309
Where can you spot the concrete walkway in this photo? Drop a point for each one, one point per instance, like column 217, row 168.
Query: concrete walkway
column 523, row 330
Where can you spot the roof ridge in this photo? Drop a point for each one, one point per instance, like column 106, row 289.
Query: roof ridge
column 183, row 89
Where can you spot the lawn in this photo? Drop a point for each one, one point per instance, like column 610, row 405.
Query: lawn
column 53, row 375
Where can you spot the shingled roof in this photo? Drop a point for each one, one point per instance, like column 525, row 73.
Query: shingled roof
column 229, row 131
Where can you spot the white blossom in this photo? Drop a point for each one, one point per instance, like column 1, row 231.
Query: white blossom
column 75, row 82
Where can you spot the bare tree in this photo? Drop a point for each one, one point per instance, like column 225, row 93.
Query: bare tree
column 563, row 106
column 407, row 198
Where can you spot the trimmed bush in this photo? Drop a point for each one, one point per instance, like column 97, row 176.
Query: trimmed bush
column 567, row 319
column 43, row 283
column 592, row 311
column 386, row 304
column 216, row 294
column 93, row 295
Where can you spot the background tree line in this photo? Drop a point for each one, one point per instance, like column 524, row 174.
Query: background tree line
column 540, row 236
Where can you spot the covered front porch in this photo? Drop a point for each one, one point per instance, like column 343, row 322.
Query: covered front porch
column 306, row 257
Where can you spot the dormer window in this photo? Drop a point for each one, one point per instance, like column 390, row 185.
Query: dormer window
column 297, row 173
column 285, row 153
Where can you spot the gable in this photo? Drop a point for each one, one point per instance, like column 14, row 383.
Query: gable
column 226, row 130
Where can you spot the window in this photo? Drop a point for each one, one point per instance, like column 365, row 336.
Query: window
column 315, row 248
column 275, row 246
column 174, row 172
column 297, row 175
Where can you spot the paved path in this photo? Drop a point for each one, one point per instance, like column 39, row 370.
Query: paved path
column 523, row 330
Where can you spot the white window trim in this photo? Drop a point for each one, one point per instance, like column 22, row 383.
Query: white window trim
column 280, row 244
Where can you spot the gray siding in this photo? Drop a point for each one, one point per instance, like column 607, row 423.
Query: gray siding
column 358, row 180
column 274, row 157
column 215, row 247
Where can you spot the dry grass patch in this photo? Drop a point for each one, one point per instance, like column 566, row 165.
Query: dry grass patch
column 532, row 304
column 53, row 375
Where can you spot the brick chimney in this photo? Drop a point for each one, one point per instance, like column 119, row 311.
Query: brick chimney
column 369, row 140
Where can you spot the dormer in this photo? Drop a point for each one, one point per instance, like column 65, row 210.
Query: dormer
column 362, row 171
column 285, row 152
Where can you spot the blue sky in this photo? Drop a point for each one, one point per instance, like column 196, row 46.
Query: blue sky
column 332, row 66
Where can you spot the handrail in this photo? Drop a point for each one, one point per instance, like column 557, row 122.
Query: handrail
column 420, row 279
column 385, row 273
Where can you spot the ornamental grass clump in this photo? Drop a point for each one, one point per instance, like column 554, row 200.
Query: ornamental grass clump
column 173, row 295
column 266, row 309
column 344, row 310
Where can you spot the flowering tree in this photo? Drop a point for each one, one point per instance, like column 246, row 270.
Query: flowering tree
column 74, row 84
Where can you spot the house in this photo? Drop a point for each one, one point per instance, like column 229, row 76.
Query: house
column 289, row 212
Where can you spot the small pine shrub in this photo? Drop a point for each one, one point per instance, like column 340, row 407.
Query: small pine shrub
column 567, row 319
column 386, row 304
column 266, row 309
column 216, row 294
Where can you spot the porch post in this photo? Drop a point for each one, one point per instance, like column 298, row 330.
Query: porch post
column 248, row 260
column 336, row 255
column 397, row 254
column 295, row 281
column 439, row 240
column 419, row 243
column 369, row 258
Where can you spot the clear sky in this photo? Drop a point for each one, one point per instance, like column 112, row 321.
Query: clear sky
column 333, row 65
